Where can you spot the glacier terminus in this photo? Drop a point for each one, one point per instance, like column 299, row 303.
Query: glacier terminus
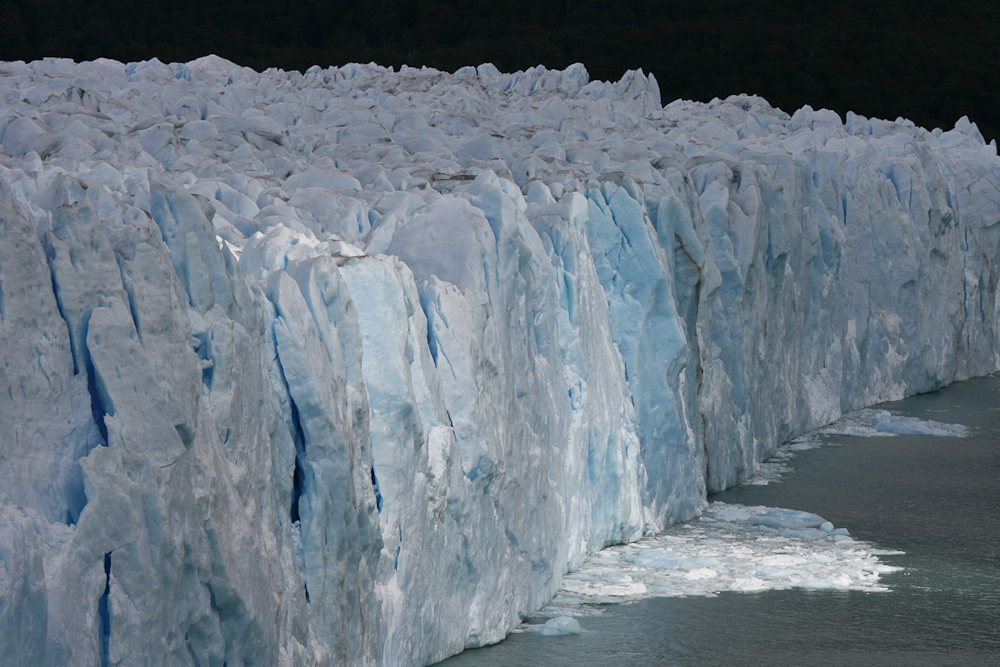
column 353, row 366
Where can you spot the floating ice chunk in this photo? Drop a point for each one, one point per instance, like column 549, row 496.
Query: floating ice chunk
column 881, row 423
column 773, row 517
column 803, row 446
column 732, row 548
column 701, row 573
column 560, row 625
column 806, row 533
column 748, row 584
column 862, row 423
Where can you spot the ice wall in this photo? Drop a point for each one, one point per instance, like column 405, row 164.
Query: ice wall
column 351, row 367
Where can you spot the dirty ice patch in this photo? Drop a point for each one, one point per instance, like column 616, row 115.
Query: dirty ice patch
column 729, row 548
column 882, row 423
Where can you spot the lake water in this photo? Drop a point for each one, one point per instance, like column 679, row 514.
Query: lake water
column 935, row 498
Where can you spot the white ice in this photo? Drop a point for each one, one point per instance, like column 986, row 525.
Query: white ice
column 882, row 423
column 351, row 366
column 729, row 548
column 559, row 626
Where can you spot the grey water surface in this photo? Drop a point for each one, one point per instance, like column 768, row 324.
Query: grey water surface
column 935, row 498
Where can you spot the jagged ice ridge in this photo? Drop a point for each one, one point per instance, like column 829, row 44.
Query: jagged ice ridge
column 352, row 366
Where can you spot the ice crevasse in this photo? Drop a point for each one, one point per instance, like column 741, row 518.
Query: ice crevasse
column 352, row 366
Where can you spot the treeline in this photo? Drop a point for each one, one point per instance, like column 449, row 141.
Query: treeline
column 926, row 60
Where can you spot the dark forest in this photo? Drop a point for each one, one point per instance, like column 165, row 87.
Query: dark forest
column 928, row 61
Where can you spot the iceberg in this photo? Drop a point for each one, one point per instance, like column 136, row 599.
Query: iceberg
column 353, row 366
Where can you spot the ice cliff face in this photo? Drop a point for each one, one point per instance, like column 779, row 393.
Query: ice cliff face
column 351, row 367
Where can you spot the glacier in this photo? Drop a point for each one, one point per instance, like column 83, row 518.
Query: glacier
column 352, row 366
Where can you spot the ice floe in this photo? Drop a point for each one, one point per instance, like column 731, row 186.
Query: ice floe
column 729, row 548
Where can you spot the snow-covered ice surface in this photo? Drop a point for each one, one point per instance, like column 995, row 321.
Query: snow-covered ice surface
column 352, row 366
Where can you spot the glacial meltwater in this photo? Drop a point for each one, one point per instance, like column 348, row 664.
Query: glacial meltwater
column 935, row 498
